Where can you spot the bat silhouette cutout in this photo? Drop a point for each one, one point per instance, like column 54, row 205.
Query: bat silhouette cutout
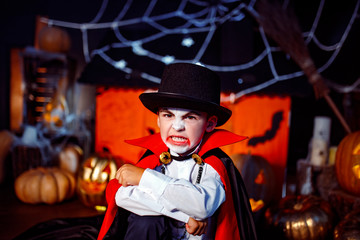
column 269, row 134
column 151, row 131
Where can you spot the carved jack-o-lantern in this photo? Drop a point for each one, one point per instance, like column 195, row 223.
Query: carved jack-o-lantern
column 258, row 178
column 347, row 163
column 93, row 177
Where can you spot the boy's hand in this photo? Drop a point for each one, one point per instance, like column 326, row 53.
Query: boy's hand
column 196, row 228
column 129, row 175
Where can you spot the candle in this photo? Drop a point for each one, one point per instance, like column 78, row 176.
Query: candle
column 320, row 141
column 332, row 155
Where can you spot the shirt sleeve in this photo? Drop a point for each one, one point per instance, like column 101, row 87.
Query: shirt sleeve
column 176, row 198
column 142, row 203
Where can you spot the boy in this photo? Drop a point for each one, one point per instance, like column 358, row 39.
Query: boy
column 184, row 187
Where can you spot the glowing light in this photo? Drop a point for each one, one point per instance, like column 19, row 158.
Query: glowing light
column 356, row 150
column 100, row 208
column 120, row 64
column 356, row 171
column 168, row 59
column 187, row 42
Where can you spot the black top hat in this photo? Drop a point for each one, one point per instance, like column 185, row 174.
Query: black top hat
column 189, row 86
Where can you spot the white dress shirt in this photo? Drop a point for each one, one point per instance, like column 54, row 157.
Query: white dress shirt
column 175, row 194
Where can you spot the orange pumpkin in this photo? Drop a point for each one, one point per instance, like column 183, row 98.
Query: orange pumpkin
column 347, row 163
column 54, row 39
column 45, row 185
column 93, row 177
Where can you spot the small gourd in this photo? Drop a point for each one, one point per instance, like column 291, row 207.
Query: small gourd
column 44, row 185
column 54, row 39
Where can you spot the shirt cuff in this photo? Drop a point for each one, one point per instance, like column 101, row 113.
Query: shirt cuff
column 154, row 181
column 179, row 216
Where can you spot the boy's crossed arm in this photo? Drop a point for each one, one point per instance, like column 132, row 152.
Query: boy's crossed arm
column 130, row 175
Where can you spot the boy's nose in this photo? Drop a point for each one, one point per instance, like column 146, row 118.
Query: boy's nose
column 178, row 125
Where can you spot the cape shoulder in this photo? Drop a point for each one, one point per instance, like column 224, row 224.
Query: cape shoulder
column 215, row 139
column 235, row 217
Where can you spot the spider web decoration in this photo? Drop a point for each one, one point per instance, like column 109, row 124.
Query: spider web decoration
column 143, row 36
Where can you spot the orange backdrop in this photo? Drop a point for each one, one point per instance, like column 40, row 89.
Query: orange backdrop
column 264, row 119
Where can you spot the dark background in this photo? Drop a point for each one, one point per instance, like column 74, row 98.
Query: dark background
column 17, row 24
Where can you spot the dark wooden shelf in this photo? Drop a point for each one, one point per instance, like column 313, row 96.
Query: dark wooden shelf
column 16, row 216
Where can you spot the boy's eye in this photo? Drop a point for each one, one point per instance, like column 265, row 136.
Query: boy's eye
column 191, row 117
column 167, row 115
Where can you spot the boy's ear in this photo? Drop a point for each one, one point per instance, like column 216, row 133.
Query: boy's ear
column 158, row 120
column 211, row 123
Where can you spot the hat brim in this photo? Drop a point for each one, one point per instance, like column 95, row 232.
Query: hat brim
column 153, row 101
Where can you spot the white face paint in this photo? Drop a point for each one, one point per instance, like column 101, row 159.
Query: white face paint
column 181, row 129
column 178, row 124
